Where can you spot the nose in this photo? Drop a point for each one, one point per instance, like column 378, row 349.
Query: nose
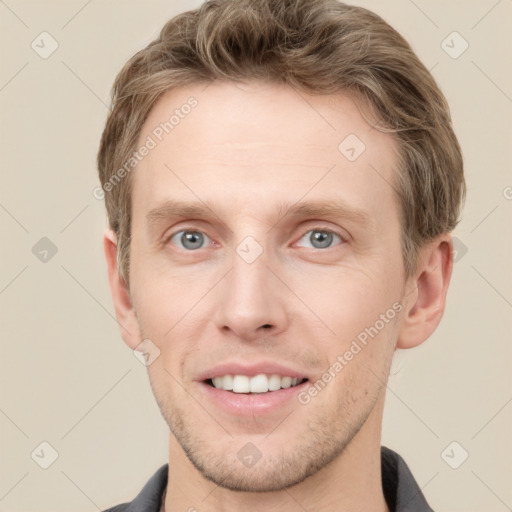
column 252, row 300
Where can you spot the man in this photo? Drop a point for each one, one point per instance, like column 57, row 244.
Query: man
column 281, row 179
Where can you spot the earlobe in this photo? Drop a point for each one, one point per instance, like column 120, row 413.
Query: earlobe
column 125, row 312
column 428, row 290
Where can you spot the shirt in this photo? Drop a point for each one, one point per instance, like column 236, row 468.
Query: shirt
column 401, row 491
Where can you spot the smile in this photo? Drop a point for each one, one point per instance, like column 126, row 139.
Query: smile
column 260, row 383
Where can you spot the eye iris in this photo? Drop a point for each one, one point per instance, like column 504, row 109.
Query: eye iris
column 192, row 239
column 323, row 238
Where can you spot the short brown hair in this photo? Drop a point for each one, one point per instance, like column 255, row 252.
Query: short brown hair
column 316, row 46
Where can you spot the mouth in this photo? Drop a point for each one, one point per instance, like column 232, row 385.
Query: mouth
column 244, row 400
column 257, row 385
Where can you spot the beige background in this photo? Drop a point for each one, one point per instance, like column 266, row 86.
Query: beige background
column 66, row 376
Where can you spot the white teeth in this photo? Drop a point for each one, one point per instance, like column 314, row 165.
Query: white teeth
column 225, row 382
column 274, row 383
column 260, row 383
column 286, row 382
column 241, row 384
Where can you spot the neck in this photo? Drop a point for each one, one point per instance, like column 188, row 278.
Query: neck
column 352, row 481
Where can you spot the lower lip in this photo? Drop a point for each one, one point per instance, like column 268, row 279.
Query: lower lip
column 251, row 404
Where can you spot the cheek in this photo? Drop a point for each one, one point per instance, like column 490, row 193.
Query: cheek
column 363, row 312
column 162, row 296
column 358, row 366
column 348, row 300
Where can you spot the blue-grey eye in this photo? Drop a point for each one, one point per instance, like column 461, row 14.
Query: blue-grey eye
column 190, row 240
column 320, row 238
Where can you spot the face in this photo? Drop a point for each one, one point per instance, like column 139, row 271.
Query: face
column 290, row 257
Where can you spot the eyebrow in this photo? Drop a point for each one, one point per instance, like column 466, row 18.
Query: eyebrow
column 324, row 208
column 320, row 208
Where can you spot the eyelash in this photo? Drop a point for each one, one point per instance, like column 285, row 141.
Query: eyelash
column 321, row 229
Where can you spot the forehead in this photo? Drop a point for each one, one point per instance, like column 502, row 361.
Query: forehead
column 257, row 144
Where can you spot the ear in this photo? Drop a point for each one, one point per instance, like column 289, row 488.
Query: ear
column 426, row 293
column 125, row 312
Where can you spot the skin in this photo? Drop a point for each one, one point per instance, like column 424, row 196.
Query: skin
column 243, row 151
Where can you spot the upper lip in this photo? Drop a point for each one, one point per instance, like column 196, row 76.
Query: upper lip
column 251, row 369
